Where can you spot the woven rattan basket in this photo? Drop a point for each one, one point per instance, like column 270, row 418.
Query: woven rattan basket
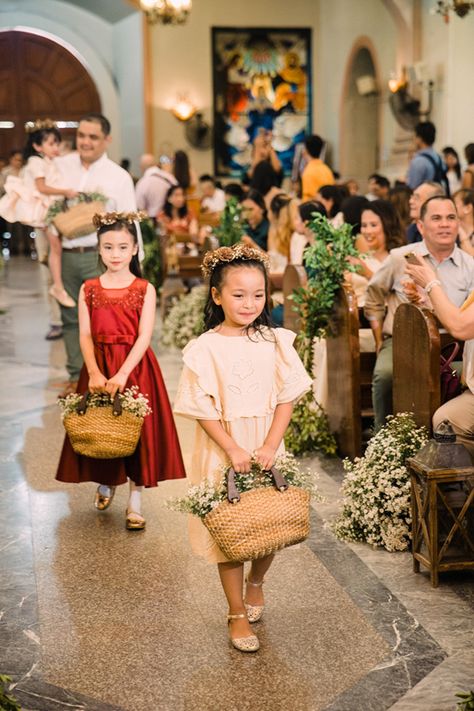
column 101, row 434
column 77, row 221
column 262, row 522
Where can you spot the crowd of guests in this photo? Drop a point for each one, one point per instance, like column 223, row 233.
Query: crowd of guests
column 389, row 220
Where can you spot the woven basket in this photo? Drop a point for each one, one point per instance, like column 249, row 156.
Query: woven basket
column 101, row 434
column 262, row 522
column 77, row 221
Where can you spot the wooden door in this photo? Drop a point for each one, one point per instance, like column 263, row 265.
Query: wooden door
column 40, row 79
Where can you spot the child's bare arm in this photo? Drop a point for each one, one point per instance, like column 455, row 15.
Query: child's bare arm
column 97, row 380
column 49, row 190
column 145, row 332
column 239, row 458
column 265, row 455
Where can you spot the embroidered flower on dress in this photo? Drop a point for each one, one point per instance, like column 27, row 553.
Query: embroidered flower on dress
column 243, row 368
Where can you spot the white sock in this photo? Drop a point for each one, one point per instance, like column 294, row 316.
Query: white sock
column 135, row 498
column 106, row 490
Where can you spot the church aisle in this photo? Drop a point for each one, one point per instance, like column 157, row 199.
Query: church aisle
column 94, row 617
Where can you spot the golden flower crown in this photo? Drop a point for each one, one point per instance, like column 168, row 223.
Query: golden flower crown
column 109, row 218
column 39, row 125
column 224, row 255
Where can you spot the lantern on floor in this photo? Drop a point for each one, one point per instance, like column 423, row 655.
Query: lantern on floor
column 442, row 501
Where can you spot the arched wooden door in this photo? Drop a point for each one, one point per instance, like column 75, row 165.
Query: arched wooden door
column 39, row 78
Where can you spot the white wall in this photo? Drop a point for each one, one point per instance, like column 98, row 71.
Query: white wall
column 449, row 57
column 182, row 63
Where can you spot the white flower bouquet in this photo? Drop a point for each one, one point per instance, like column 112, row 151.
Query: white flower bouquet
column 185, row 319
column 376, row 487
column 131, row 400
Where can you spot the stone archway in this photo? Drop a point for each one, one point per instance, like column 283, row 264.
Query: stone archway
column 360, row 115
column 40, row 78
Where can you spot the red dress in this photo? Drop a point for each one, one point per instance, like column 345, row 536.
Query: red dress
column 115, row 316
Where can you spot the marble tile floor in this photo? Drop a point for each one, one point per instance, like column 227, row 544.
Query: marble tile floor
column 93, row 617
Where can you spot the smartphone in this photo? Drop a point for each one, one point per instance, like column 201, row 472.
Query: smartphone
column 411, row 258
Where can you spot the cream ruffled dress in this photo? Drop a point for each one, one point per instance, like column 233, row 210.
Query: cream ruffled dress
column 239, row 381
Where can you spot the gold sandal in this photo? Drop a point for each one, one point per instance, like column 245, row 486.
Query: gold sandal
column 254, row 612
column 243, row 644
column 102, row 502
column 134, row 521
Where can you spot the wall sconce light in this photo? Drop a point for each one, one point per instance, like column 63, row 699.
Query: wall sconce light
column 183, row 109
column 405, row 107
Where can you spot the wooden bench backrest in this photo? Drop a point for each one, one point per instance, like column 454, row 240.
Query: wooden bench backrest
column 344, row 375
column 293, row 277
column 416, row 363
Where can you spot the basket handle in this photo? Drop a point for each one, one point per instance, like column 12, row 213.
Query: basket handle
column 233, row 495
column 82, row 405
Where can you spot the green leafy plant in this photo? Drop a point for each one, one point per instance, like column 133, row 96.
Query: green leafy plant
column 326, row 262
column 376, row 487
column 59, row 205
column 185, row 319
column 7, row 702
column 231, row 227
column 152, row 266
column 204, row 497
column 467, row 701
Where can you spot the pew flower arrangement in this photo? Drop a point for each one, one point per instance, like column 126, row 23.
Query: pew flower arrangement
column 185, row 318
column 376, row 487
column 327, row 263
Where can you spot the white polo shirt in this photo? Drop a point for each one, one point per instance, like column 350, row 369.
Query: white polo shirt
column 103, row 176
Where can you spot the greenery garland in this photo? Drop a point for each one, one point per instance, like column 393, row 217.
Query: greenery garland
column 7, row 702
column 152, row 266
column 64, row 204
column 231, row 225
column 326, row 262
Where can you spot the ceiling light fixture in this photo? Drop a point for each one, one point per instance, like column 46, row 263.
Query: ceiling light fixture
column 460, row 7
column 166, row 12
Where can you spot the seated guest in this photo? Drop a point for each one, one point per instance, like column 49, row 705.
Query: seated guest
column 352, row 208
column 176, row 218
column 282, row 225
column 382, row 231
column 264, row 178
column 453, row 168
column 183, row 172
column 316, row 173
column 439, row 225
column 419, row 196
column 213, row 199
column 303, row 236
column 400, row 196
column 464, row 201
column 257, row 224
column 152, row 189
column 332, row 196
column 379, row 187
column 352, row 186
column 460, row 324
column 234, row 190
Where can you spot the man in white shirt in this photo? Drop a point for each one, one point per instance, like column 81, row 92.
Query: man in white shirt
column 88, row 170
column 152, row 189
column 213, row 199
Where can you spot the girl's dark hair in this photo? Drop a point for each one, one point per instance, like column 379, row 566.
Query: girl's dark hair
column 278, row 203
column 235, row 190
column 132, row 230
column 181, row 169
column 450, row 151
column 336, row 193
column 390, row 220
column 168, row 207
column 257, row 198
column 469, row 153
column 399, row 196
column 38, row 138
column 214, row 314
column 265, row 177
column 466, row 195
column 351, row 209
column 306, row 210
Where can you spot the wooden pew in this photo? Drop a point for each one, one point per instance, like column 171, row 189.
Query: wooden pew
column 294, row 276
column 417, row 345
column 349, row 376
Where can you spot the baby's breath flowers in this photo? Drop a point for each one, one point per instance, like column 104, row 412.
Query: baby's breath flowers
column 376, row 488
column 185, row 319
column 132, row 400
column 202, row 498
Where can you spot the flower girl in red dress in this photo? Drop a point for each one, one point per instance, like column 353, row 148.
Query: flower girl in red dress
column 116, row 318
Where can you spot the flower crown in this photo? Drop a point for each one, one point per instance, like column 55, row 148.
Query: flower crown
column 224, row 255
column 39, row 125
column 109, row 218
